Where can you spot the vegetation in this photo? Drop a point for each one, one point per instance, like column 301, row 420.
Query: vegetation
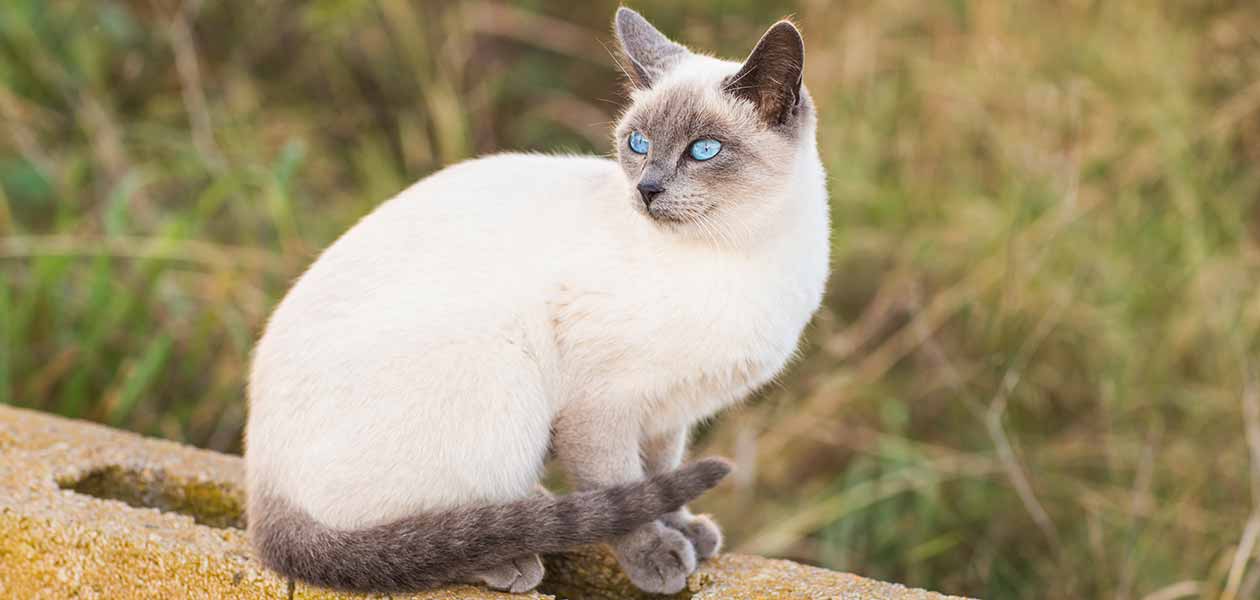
column 1036, row 374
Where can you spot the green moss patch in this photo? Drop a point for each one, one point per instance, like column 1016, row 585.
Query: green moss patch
column 209, row 503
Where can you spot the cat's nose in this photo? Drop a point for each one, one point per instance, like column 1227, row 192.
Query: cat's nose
column 649, row 190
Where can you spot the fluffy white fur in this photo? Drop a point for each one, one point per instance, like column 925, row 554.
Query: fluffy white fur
column 421, row 361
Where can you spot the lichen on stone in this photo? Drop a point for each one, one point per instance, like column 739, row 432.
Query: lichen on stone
column 209, row 503
column 91, row 512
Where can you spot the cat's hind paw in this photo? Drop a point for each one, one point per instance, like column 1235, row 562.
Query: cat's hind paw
column 518, row 575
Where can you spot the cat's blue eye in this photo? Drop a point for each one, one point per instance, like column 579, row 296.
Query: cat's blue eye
column 638, row 143
column 705, row 149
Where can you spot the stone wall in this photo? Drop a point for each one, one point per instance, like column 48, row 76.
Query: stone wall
column 91, row 512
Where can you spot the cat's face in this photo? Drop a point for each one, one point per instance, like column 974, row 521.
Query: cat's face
column 710, row 147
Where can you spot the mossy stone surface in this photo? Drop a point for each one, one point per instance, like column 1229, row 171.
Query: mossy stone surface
column 91, row 512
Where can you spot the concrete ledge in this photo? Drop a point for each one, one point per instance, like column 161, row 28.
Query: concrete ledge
column 91, row 512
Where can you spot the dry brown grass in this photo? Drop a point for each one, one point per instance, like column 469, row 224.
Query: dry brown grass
column 1035, row 375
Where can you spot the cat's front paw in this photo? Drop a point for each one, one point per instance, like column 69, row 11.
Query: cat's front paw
column 656, row 558
column 705, row 535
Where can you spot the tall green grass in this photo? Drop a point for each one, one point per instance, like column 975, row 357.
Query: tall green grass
column 1036, row 374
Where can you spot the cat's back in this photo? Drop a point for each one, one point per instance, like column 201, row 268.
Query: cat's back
column 495, row 203
column 507, row 187
column 495, row 215
column 492, row 227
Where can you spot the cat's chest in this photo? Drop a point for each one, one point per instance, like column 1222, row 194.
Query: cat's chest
column 684, row 340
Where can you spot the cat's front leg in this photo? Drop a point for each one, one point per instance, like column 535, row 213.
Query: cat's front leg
column 662, row 453
column 598, row 450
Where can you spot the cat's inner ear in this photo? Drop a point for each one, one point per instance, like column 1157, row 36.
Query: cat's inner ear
column 647, row 53
column 771, row 77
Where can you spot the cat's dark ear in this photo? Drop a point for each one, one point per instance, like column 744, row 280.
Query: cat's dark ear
column 771, row 77
column 647, row 53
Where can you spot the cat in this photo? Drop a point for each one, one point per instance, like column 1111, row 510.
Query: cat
column 409, row 388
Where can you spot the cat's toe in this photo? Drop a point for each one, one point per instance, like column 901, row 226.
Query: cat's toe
column 518, row 575
column 704, row 534
column 657, row 559
column 531, row 573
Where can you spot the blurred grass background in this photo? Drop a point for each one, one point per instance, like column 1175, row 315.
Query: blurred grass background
column 1036, row 373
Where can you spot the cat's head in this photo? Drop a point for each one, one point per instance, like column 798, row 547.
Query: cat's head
column 710, row 147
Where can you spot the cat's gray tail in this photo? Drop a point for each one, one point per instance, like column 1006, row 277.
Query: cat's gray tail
column 430, row 550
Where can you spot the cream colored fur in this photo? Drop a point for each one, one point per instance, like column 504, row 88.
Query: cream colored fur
column 423, row 360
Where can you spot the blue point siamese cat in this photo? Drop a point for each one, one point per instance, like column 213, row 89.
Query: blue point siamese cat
column 409, row 388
